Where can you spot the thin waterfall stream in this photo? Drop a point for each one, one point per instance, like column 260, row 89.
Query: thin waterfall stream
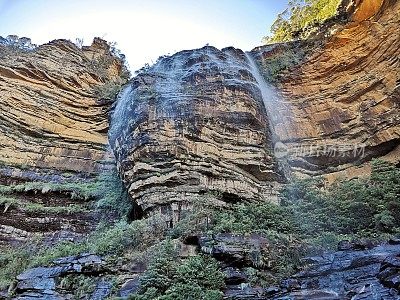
column 278, row 114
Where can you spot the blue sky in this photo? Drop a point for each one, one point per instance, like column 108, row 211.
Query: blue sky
column 146, row 29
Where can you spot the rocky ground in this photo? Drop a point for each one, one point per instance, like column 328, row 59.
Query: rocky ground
column 357, row 270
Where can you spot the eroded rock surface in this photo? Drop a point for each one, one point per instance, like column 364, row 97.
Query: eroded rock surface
column 195, row 121
column 53, row 129
column 50, row 114
column 46, row 282
column 192, row 123
column 362, row 271
column 340, row 93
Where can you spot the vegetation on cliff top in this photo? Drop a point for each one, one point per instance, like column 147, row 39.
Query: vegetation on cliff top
column 300, row 19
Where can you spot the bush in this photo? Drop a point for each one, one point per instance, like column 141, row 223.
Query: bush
column 254, row 218
column 77, row 191
column 112, row 195
column 167, row 277
column 355, row 206
column 13, row 261
column 109, row 91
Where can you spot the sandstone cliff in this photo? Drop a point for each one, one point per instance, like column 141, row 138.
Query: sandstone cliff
column 341, row 93
column 51, row 117
column 53, row 128
column 191, row 124
column 199, row 127
column 206, row 120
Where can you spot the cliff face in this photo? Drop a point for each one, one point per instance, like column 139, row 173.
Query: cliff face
column 50, row 114
column 343, row 96
column 53, row 128
column 202, row 126
column 194, row 122
column 205, row 119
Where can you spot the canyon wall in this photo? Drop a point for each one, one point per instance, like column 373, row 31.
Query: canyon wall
column 201, row 124
column 341, row 93
column 53, row 135
column 51, row 116
column 202, row 120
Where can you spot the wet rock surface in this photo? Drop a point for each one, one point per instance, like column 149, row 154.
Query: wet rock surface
column 54, row 281
column 236, row 250
column 372, row 273
column 41, row 282
column 349, row 274
column 194, row 122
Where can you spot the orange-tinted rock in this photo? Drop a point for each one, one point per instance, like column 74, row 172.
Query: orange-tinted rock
column 344, row 93
column 194, row 123
column 50, row 115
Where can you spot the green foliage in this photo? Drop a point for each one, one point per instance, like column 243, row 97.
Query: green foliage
column 161, row 271
column 81, row 285
column 108, row 238
column 12, row 261
column 114, row 239
column 112, row 194
column 273, row 66
column 109, row 90
column 9, row 202
column 301, row 18
column 310, row 214
column 254, row 218
column 167, row 277
column 100, row 64
column 358, row 206
column 77, row 191
column 121, row 236
column 202, row 271
column 311, row 217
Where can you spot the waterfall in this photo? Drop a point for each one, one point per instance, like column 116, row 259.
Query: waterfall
column 269, row 97
column 120, row 113
column 278, row 114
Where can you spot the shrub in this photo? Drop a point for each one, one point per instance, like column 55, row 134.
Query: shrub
column 109, row 90
column 81, row 285
column 12, row 262
column 77, row 191
column 253, row 218
column 112, row 195
column 347, row 207
column 167, row 277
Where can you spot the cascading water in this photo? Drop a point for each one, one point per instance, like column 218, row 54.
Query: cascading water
column 278, row 114
column 277, row 110
column 193, row 122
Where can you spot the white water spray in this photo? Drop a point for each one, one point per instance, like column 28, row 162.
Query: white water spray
column 278, row 111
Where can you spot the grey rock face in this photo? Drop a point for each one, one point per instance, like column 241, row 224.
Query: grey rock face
column 41, row 282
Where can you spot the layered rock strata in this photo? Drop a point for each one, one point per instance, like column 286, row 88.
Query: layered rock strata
column 53, row 130
column 194, row 123
column 341, row 94
column 51, row 114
